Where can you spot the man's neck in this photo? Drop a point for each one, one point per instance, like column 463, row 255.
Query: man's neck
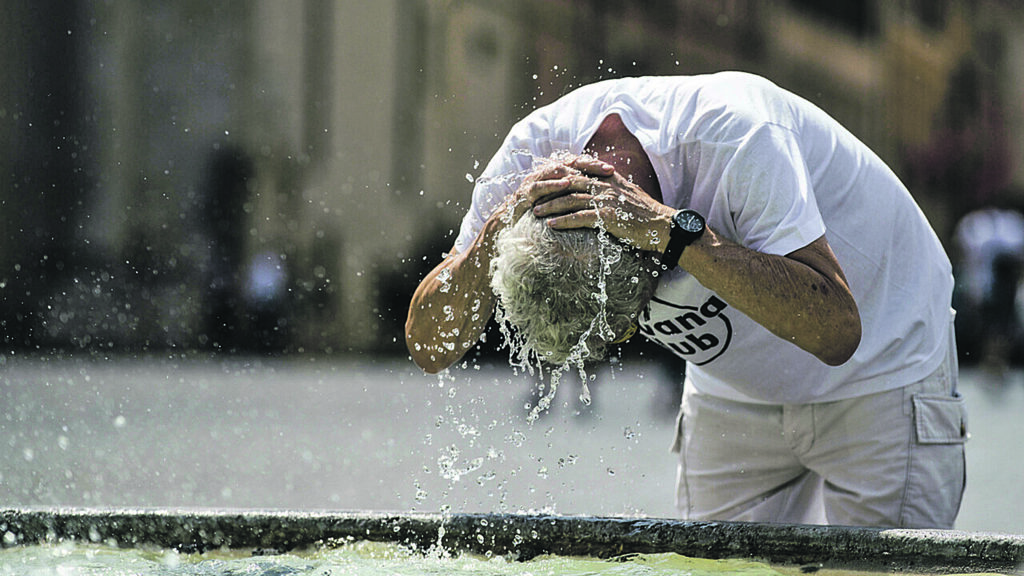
column 614, row 144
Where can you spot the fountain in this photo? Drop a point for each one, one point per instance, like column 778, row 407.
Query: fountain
column 523, row 537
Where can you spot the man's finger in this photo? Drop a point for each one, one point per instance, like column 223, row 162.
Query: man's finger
column 562, row 204
column 543, row 190
column 592, row 166
column 580, row 219
column 552, row 172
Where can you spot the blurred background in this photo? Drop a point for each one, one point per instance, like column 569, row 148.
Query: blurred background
column 256, row 174
column 267, row 178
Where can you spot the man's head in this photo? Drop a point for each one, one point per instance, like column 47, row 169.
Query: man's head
column 569, row 293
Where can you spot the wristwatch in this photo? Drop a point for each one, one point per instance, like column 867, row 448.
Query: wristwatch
column 687, row 227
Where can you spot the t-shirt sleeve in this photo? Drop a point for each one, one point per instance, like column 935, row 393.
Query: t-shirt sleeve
column 769, row 193
column 527, row 143
column 499, row 180
column 555, row 128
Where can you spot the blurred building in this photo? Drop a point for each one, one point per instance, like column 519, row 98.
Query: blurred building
column 256, row 174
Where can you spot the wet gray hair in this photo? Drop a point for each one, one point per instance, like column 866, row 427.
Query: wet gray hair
column 568, row 294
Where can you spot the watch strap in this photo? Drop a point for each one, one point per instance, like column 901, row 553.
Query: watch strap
column 676, row 243
column 681, row 235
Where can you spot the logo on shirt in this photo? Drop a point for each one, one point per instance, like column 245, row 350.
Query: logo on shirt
column 697, row 334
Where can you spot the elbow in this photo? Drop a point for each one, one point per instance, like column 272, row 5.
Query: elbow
column 843, row 343
column 428, row 366
column 428, row 358
column 837, row 356
column 422, row 356
column 427, row 361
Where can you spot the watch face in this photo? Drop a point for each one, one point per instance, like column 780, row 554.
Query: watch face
column 689, row 221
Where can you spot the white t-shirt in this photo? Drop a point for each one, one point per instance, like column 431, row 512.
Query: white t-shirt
column 772, row 172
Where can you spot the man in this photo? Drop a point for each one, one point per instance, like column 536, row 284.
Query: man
column 805, row 289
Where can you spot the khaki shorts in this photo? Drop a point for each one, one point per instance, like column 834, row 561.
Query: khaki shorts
column 892, row 459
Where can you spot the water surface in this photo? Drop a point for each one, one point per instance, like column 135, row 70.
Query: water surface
column 362, row 558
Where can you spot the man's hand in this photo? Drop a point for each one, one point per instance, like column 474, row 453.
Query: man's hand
column 604, row 198
column 550, row 181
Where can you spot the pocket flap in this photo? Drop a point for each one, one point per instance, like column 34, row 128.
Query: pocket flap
column 940, row 419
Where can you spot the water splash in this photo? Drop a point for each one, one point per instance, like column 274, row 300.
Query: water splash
column 523, row 357
column 445, row 278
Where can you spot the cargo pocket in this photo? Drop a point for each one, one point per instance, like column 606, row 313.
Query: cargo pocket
column 940, row 419
column 937, row 473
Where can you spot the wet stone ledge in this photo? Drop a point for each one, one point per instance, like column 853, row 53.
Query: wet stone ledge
column 524, row 536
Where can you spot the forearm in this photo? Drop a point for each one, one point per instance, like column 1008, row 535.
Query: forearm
column 451, row 307
column 792, row 296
